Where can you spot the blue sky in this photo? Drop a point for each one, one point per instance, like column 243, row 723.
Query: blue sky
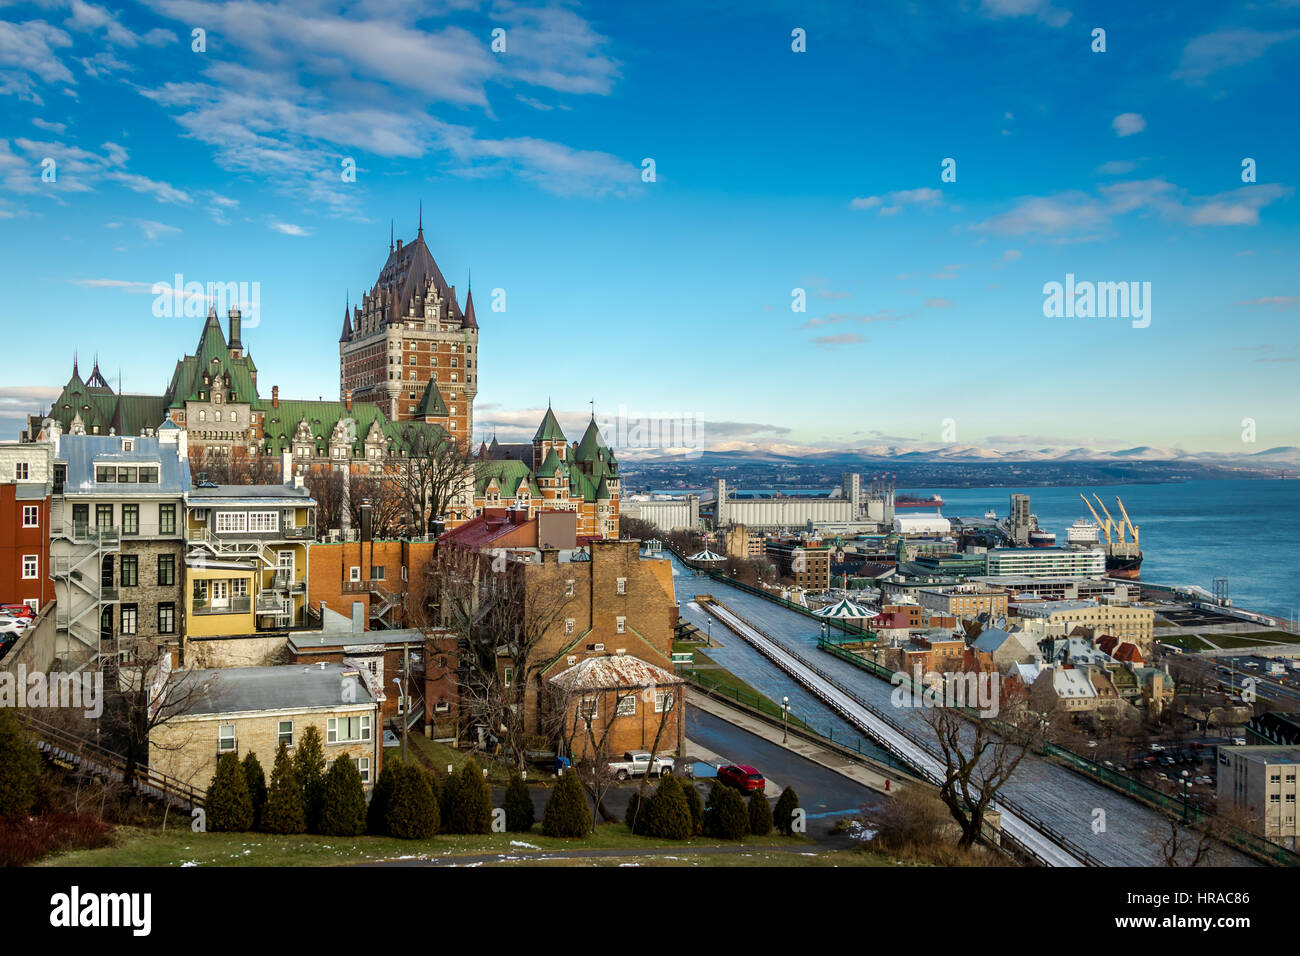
column 775, row 171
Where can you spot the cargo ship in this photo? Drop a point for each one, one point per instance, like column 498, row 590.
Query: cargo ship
column 1123, row 557
column 911, row 501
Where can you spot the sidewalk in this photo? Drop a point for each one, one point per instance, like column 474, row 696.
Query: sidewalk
column 868, row 774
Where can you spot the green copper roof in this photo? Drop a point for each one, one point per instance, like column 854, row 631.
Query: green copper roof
column 549, row 429
column 509, row 475
column 431, row 404
column 551, row 467
column 592, row 441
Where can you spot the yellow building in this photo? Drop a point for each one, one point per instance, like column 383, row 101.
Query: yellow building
column 246, row 566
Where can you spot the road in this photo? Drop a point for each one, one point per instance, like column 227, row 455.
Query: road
column 1061, row 797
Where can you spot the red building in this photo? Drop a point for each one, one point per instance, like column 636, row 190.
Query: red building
column 25, row 544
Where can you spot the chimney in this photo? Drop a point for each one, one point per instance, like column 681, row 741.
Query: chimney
column 275, row 396
column 235, row 345
column 348, row 400
column 358, row 617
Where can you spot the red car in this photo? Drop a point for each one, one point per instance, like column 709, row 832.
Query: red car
column 18, row 610
column 743, row 778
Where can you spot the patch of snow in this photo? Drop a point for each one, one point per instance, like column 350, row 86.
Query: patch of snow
column 527, row 846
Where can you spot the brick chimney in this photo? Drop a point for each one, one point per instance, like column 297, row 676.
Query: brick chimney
column 275, row 396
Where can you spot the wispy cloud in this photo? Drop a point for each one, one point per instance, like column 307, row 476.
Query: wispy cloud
column 289, row 229
column 845, row 338
column 1127, row 124
column 1211, row 52
column 892, row 203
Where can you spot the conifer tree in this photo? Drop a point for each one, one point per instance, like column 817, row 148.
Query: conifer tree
column 667, row 814
column 284, row 810
column 412, row 811
column 227, row 803
column 343, row 800
column 567, row 813
column 471, row 808
column 309, row 767
column 20, row 767
column 783, row 817
column 760, row 815
column 256, row 779
column 380, row 796
column 520, row 815
column 696, row 805
column 725, row 814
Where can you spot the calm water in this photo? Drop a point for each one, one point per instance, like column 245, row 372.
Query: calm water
column 1192, row 532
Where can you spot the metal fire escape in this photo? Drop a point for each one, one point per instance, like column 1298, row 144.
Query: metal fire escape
column 82, row 592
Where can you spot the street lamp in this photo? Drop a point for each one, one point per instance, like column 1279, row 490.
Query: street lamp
column 1186, row 777
column 401, row 716
column 785, row 711
column 823, row 632
column 710, row 634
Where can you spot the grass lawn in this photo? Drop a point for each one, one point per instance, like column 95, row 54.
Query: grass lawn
column 180, row 847
column 1188, row 642
column 439, row 755
column 1251, row 639
column 756, row 857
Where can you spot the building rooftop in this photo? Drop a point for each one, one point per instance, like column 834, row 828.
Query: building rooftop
column 613, row 672
column 236, row 690
column 81, row 453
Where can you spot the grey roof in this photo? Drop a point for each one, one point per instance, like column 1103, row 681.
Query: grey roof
column 328, row 638
column 287, row 687
column 81, row 452
column 991, row 639
column 250, row 495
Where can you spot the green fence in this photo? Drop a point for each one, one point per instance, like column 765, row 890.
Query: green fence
column 1172, row 805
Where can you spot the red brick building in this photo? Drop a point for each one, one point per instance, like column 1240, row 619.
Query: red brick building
column 24, row 532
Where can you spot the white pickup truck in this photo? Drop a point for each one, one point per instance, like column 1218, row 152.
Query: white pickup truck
column 638, row 762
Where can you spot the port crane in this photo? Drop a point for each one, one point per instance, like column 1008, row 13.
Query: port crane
column 1104, row 525
column 1133, row 529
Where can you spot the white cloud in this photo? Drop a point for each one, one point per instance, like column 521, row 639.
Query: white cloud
column 1221, row 49
column 1039, row 9
column 289, row 229
column 892, row 203
column 27, row 55
column 1127, row 124
column 153, row 230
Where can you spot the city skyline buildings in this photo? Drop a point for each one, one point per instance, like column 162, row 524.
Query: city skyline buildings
column 530, row 166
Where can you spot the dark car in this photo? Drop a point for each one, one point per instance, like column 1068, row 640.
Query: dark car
column 744, row 778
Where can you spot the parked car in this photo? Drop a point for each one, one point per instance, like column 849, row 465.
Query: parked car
column 636, row 763
column 743, row 777
column 18, row 610
column 12, row 626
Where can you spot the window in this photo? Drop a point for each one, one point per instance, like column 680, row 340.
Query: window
column 263, row 521
column 130, row 519
column 626, row 706
column 286, row 733
column 509, row 676
column 568, row 625
column 21, row 471
column 148, row 475
column 31, row 566
column 239, row 587
column 620, row 625
column 341, row 730
column 32, row 603
column 126, row 476
column 568, row 588
column 622, row 586
column 166, row 570
column 234, row 417
column 377, row 574
column 363, row 768
column 589, row 709
column 130, row 618
column 167, row 618
column 225, row 738
column 104, row 517
column 31, row 516
column 228, row 521
column 663, row 701
column 203, row 416
column 354, row 574
column 130, row 570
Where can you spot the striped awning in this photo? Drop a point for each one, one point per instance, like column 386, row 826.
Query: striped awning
column 845, row 610
column 706, row 555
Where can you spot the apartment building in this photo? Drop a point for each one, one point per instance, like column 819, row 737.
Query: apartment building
column 1261, row 780
column 116, row 531
column 25, row 475
column 965, row 600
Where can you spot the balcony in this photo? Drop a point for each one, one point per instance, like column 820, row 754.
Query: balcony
column 85, row 533
column 304, row 533
column 234, row 605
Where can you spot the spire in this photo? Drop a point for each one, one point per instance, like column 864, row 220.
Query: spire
column 75, row 373
column 420, row 233
column 391, row 234
column 346, row 334
column 468, row 321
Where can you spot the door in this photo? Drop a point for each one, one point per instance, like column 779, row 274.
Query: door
column 80, row 519
column 220, row 594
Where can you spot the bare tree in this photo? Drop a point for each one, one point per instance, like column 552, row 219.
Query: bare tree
column 387, row 508
column 977, row 760
column 1200, row 843
column 503, row 620
column 429, row 482
column 326, row 489
column 232, row 466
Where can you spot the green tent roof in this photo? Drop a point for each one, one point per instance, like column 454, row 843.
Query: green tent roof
column 549, row 429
